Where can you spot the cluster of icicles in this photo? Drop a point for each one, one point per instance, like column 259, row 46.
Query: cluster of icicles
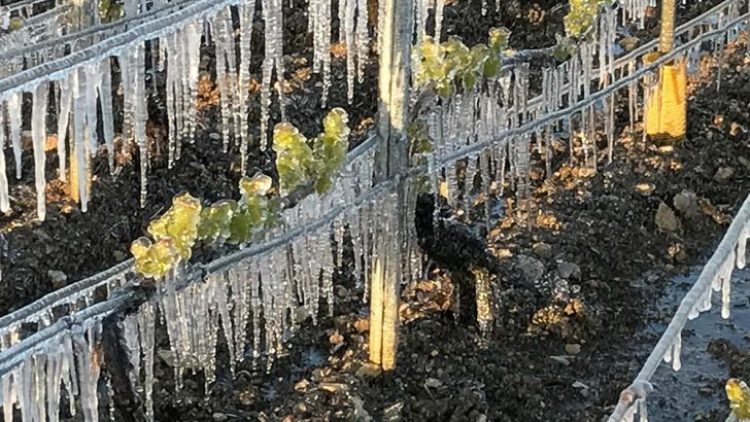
column 492, row 129
column 492, row 126
column 85, row 92
column 259, row 301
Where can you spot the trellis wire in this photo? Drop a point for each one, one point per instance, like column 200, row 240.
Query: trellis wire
column 63, row 295
column 707, row 275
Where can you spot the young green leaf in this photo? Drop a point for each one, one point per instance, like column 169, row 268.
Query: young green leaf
column 154, row 260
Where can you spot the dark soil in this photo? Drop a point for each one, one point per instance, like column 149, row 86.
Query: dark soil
column 600, row 223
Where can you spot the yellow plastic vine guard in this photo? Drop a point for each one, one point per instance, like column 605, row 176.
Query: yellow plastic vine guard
column 666, row 109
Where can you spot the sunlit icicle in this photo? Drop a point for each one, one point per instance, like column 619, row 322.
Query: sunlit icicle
column 78, row 142
column 63, row 119
column 39, row 137
column 93, row 79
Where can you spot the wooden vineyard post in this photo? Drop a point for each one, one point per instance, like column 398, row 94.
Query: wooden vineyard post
column 391, row 163
column 666, row 106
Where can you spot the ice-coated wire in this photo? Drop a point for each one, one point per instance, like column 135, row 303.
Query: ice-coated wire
column 14, row 355
column 63, row 295
column 101, row 30
column 696, row 293
column 58, row 68
column 593, row 98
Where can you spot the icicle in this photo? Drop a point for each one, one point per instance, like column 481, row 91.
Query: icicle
column 39, row 137
column 642, row 410
column 4, row 198
column 246, row 14
column 348, row 28
column 255, row 305
column 693, row 60
column 14, row 118
column 322, row 43
column 705, row 303
column 78, row 142
column 676, row 352
column 668, row 354
column 451, row 179
column 173, row 106
column 52, row 378
column 240, row 311
column 726, row 286
column 105, row 97
column 88, row 364
column 8, row 396
column 725, row 280
column 146, row 326
column 741, row 247
column 632, row 98
column 132, row 341
column 439, row 7
column 362, row 39
column 270, row 327
column 140, row 114
column 93, row 79
column 70, row 381
column 224, row 48
column 220, row 288
column 719, row 46
column 694, row 313
column 66, row 101
column 174, row 319
column 273, row 53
